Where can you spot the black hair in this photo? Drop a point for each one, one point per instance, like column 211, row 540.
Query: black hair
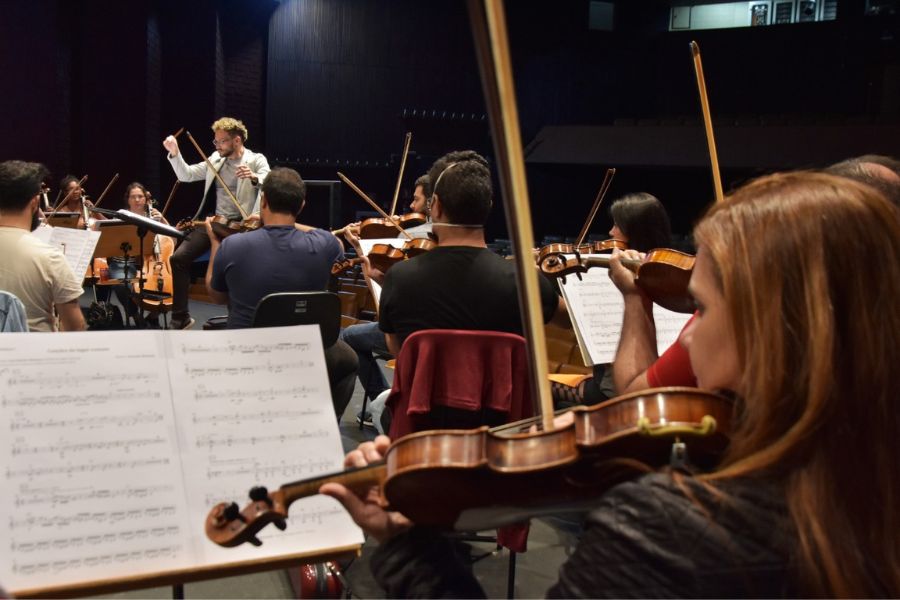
column 20, row 182
column 425, row 182
column 131, row 186
column 643, row 219
column 462, row 182
column 855, row 169
column 285, row 191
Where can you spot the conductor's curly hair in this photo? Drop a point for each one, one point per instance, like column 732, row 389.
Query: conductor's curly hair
column 232, row 126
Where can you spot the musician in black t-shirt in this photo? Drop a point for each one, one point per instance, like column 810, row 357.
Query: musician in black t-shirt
column 461, row 284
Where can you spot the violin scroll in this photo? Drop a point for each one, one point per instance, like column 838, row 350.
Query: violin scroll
column 228, row 526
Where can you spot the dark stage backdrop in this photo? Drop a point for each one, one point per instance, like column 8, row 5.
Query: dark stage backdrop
column 326, row 85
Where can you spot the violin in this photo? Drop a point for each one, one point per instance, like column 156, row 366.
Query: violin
column 221, row 225
column 340, row 266
column 379, row 227
column 385, row 256
column 663, row 274
column 483, row 478
column 590, row 248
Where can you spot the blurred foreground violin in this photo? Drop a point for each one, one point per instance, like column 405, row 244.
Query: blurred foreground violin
column 482, row 478
column 663, row 274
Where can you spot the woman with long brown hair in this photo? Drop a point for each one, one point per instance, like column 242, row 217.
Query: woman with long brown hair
column 796, row 281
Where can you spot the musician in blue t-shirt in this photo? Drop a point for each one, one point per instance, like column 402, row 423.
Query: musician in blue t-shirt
column 280, row 256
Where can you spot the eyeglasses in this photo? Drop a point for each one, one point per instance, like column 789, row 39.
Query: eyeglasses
column 218, row 143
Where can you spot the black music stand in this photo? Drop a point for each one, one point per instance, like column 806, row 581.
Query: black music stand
column 122, row 232
column 64, row 219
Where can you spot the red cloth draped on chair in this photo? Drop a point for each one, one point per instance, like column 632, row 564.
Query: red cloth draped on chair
column 468, row 371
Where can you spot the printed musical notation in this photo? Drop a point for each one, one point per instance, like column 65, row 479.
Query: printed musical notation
column 213, row 441
column 596, row 308
column 254, row 349
column 105, row 474
column 24, row 423
column 20, row 447
column 253, row 470
column 252, row 394
column 255, row 418
column 53, row 497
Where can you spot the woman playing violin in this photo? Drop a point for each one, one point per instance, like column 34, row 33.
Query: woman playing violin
column 640, row 220
column 76, row 201
column 806, row 334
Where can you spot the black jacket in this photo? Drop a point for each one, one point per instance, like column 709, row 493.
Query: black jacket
column 647, row 538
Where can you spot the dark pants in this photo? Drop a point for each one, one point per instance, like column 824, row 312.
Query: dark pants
column 342, row 364
column 192, row 246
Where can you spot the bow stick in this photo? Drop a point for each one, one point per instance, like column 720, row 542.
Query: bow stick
column 66, row 198
column 707, row 122
column 400, row 176
column 604, row 187
column 106, row 189
column 371, row 202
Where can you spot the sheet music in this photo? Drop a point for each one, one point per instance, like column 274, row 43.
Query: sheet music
column 596, row 308
column 90, row 469
column 76, row 244
column 366, row 246
column 118, row 445
column 257, row 410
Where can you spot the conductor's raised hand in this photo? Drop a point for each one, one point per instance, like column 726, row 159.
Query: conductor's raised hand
column 171, row 144
column 367, row 509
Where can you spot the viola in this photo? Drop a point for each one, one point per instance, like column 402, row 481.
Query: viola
column 385, row 256
column 378, row 227
column 663, row 274
column 340, row 266
column 221, row 225
column 591, row 248
column 482, row 478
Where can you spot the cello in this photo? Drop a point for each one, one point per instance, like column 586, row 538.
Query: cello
column 157, row 270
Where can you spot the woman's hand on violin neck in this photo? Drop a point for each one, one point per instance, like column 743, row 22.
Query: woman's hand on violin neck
column 622, row 277
column 367, row 509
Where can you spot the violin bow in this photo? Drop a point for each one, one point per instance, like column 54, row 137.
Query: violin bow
column 66, row 198
column 492, row 51
column 604, row 187
column 106, row 189
column 406, row 143
column 371, row 203
column 169, row 199
column 707, row 122
column 221, row 181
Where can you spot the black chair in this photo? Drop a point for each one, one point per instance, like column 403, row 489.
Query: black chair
column 302, row 308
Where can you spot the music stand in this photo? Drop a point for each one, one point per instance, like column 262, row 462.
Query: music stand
column 120, row 235
column 64, row 219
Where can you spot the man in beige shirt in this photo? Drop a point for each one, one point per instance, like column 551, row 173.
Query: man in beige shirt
column 35, row 272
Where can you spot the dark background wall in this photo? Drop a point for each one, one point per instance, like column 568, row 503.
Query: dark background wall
column 325, row 85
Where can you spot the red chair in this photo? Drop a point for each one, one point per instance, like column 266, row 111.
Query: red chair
column 459, row 379
column 462, row 379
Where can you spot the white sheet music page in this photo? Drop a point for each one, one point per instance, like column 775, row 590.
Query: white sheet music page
column 91, row 474
column 596, row 308
column 254, row 408
column 76, row 244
